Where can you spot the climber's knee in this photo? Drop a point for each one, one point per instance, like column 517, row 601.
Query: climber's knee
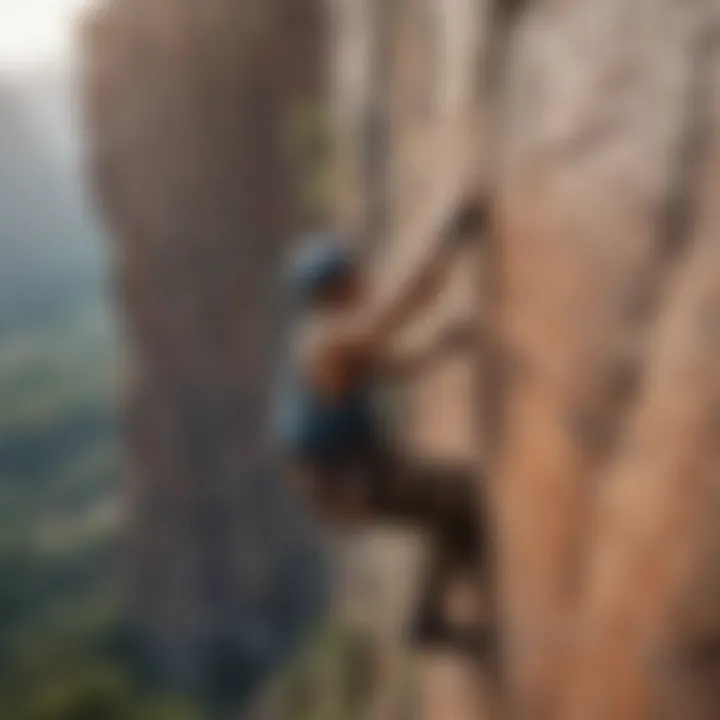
column 434, row 492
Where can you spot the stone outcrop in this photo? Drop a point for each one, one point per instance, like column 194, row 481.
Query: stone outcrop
column 603, row 249
column 407, row 106
column 187, row 104
column 594, row 139
column 591, row 128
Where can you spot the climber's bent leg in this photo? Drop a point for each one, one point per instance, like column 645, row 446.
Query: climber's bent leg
column 440, row 499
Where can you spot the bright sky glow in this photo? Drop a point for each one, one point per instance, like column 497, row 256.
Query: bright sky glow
column 36, row 31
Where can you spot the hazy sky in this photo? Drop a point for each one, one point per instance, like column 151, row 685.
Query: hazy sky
column 36, row 31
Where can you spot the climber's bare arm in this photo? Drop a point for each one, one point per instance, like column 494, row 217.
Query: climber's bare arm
column 418, row 291
column 358, row 343
column 354, row 348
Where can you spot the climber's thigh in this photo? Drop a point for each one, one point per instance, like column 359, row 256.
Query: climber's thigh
column 443, row 490
column 430, row 492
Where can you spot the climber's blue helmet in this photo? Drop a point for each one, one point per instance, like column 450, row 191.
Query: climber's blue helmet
column 320, row 261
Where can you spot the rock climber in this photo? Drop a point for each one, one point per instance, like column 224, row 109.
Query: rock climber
column 335, row 439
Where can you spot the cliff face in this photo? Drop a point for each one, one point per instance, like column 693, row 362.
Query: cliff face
column 407, row 101
column 592, row 129
column 595, row 142
column 186, row 104
column 606, row 261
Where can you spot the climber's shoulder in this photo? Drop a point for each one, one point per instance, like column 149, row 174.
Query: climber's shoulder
column 333, row 350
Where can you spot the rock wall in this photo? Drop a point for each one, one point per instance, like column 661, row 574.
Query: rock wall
column 591, row 127
column 186, row 108
column 407, row 107
column 594, row 141
column 604, row 247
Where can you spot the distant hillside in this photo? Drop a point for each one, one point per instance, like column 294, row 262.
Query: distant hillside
column 62, row 632
column 58, row 450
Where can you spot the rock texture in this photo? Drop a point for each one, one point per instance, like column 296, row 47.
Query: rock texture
column 187, row 104
column 407, row 105
column 592, row 128
column 594, row 139
column 605, row 264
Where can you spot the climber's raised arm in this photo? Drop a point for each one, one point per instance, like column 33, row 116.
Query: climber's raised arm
column 386, row 317
column 356, row 328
